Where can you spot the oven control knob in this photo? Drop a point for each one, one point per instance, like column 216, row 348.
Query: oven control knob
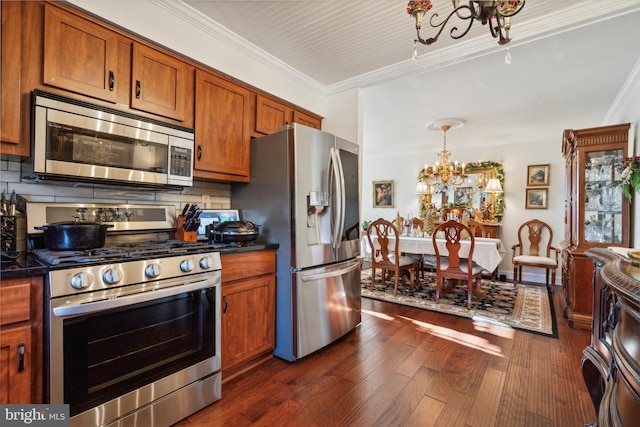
column 112, row 276
column 81, row 281
column 152, row 271
column 186, row 265
column 205, row 263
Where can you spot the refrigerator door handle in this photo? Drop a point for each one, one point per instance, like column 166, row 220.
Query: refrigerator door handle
column 320, row 276
column 334, row 179
column 341, row 196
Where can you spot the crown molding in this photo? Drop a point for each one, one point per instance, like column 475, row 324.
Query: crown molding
column 221, row 33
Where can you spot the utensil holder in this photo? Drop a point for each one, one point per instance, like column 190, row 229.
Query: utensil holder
column 185, row 236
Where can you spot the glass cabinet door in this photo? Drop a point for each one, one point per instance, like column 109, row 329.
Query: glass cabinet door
column 603, row 198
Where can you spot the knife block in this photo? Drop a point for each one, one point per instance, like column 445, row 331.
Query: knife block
column 185, row 236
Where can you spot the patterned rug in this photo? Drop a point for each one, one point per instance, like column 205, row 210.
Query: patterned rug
column 524, row 307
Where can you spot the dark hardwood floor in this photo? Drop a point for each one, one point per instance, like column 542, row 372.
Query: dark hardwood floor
column 409, row 367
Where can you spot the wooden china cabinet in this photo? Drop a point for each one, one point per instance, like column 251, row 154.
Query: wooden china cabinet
column 596, row 212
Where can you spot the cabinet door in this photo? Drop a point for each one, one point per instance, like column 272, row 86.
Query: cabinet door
column 248, row 316
column 307, row 120
column 79, row 55
column 223, row 137
column 15, row 365
column 10, row 57
column 159, row 83
column 271, row 115
column 603, row 209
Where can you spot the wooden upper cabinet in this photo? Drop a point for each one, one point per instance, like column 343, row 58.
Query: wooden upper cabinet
column 79, row 55
column 307, row 120
column 159, row 83
column 222, row 129
column 271, row 115
column 10, row 55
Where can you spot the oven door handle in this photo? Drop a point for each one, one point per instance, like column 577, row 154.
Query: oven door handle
column 115, row 302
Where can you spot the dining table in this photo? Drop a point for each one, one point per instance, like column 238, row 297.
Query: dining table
column 487, row 252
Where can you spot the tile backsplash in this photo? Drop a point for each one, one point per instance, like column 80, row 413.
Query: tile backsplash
column 12, row 172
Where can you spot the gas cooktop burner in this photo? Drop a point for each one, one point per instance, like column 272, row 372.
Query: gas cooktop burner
column 126, row 251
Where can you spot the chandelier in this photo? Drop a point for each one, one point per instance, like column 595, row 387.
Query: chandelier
column 497, row 14
column 444, row 174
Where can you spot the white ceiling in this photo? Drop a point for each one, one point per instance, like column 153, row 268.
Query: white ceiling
column 570, row 60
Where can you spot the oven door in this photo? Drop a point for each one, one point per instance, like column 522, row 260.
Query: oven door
column 110, row 354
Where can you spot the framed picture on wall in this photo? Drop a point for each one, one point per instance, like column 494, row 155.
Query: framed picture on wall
column 537, row 175
column 462, row 196
column 382, row 194
column 536, row 198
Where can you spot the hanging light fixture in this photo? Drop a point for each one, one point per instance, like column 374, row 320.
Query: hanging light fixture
column 497, row 14
column 445, row 173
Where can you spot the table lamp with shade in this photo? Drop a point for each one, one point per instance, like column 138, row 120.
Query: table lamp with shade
column 493, row 187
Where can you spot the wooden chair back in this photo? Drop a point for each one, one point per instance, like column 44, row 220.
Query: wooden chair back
column 535, row 249
column 418, row 223
column 387, row 257
column 535, row 238
column 477, row 229
column 454, row 267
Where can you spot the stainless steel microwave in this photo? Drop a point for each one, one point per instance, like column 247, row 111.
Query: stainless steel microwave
column 74, row 140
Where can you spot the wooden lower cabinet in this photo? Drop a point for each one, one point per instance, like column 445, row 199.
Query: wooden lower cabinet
column 611, row 363
column 248, row 309
column 577, row 279
column 21, row 340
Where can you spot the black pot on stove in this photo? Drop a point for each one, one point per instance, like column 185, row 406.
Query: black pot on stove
column 233, row 232
column 74, row 235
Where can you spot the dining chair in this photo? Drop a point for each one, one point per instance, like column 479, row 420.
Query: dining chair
column 452, row 266
column 387, row 258
column 478, row 230
column 535, row 249
column 426, row 261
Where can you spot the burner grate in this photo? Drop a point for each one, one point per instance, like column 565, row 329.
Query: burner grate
column 121, row 252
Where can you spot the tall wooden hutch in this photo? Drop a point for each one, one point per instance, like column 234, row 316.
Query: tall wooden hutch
column 597, row 214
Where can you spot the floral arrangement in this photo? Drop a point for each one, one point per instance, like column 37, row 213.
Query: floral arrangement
column 630, row 175
column 418, row 4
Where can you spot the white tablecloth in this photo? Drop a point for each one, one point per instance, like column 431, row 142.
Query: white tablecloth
column 487, row 253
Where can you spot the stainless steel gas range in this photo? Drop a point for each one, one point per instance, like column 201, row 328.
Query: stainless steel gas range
column 132, row 329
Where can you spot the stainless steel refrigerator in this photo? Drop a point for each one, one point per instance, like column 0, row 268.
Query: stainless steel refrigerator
column 304, row 193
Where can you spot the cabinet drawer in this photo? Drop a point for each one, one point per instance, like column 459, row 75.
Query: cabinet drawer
column 15, row 303
column 247, row 264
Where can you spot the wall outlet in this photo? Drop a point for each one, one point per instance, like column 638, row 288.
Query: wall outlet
column 206, row 199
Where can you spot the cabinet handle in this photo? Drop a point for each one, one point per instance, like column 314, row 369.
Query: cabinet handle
column 112, row 80
column 20, row 357
column 138, row 89
column 199, row 152
column 226, row 304
column 613, row 314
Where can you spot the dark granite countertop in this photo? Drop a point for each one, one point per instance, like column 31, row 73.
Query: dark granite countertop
column 27, row 266
column 23, row 266
column 247, row 247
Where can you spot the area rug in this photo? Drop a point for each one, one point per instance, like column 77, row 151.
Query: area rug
column 524, row 307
